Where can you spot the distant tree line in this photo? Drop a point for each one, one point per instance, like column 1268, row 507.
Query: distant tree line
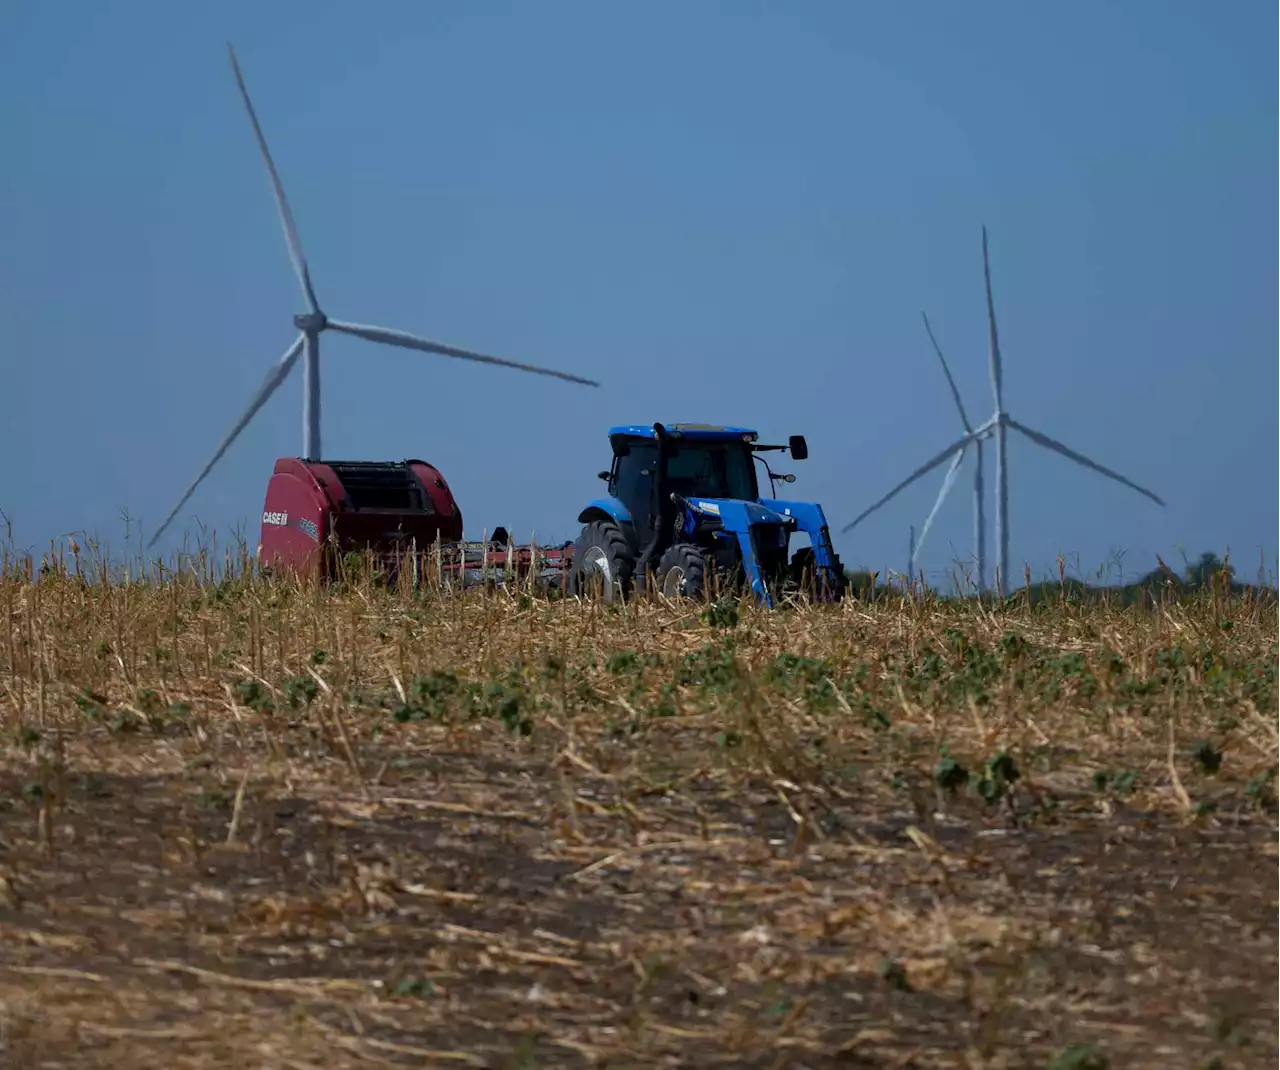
column 1208, row 573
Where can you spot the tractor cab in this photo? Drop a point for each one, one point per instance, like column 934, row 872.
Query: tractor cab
column 690, row 460
column 684, row 502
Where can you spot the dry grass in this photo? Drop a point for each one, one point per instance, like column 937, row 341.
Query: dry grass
column 245, row 825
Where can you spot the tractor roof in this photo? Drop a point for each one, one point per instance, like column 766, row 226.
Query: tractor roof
column 701, row 432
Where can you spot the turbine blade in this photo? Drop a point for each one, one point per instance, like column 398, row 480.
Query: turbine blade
column 279, row 371
column 1066, row 451
column 955, row 392
column 942, row 495
column 282, row 204
column 997, row 366
column 410, row 341
column 923, row 470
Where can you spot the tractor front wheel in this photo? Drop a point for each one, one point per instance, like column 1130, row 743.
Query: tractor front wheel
column 602, row 555
column 682, row 571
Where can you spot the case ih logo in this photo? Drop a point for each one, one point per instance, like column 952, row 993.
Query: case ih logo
column 278, row 520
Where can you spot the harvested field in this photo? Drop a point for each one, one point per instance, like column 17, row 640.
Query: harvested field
column 244, row 825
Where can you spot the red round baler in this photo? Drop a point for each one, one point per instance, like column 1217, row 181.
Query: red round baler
column 315, row 507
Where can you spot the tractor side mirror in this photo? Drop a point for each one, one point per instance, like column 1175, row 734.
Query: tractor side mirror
column 603, row 475
column 799, row 448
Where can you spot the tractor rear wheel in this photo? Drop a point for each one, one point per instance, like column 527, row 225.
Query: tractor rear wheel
column 602, row 555
column 682, row 571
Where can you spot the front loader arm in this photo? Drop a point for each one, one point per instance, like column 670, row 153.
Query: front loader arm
column 810, row 519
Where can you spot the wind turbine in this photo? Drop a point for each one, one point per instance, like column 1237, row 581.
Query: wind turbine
column 997, row 426
column 979, row 517
column 310, row 325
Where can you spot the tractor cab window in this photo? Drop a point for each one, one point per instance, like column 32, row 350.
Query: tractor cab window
column 632, row 482
column 694, row 469
column 712, row 470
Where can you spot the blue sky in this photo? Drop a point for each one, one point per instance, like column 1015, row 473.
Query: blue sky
column 723, row 211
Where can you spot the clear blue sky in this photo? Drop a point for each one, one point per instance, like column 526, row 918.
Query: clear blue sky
column 723, row 211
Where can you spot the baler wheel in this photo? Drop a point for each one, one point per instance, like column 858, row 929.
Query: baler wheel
column 602, row 553
column 682, row 571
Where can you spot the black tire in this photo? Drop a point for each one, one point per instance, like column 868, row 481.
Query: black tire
column 804, row 572
column 802, row 567
column 602, row 543
column 682, row 571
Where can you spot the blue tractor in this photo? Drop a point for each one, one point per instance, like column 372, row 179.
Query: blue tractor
column 684, row 506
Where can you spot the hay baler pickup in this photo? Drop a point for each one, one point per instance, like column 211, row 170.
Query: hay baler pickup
column 401, row 514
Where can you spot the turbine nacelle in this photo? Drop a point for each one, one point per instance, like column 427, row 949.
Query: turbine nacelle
column 311, row 322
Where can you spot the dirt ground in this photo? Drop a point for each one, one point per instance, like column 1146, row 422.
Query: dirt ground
column 759, row 873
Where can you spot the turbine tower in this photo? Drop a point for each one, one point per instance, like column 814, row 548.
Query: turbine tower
column 310, row 325
column 998, row 427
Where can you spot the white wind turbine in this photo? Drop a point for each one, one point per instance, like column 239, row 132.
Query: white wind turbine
column 310, row 325
column 979, row 516
column 997, row 426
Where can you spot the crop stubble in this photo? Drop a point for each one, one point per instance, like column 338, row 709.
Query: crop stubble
column 250, row 825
